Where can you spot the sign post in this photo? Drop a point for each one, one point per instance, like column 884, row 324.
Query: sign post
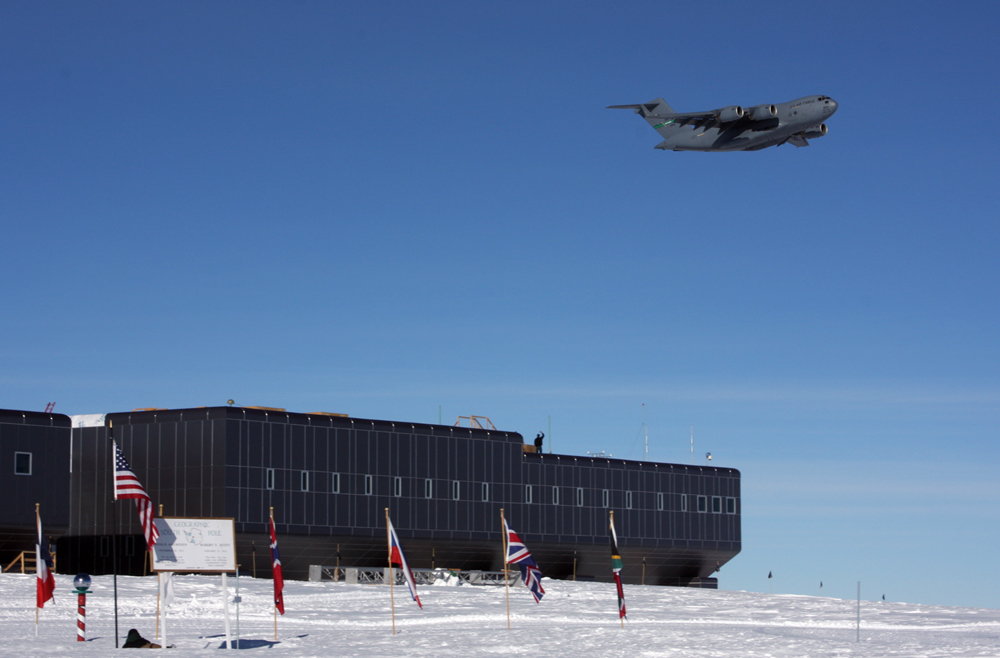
column 200, row 545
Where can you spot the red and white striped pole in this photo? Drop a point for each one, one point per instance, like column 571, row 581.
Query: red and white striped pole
column 81, row 617
column 82, row 583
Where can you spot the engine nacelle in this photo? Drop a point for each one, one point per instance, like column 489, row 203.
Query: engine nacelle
column 731, row 113
column 816, row 131
column 762, row 112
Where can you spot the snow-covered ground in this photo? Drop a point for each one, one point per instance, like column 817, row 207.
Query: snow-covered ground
column 573, row 620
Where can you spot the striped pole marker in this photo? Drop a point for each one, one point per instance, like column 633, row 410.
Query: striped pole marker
column 81, row 618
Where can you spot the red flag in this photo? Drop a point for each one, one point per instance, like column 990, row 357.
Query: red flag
column 279, row 581
column 616, row 568
column 46, row 582
column 396, row 557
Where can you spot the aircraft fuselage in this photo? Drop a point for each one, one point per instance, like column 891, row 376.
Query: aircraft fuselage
column 793, row 121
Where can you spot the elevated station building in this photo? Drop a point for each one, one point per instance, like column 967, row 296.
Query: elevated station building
column 329, row 479
column 34, row 462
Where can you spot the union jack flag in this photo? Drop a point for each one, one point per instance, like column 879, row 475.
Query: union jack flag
column 518, row 553
column 46, row 582
column 127, row 485
column 279, row 579
column 396, row 557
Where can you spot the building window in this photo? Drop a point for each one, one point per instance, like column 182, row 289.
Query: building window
column 129, row 546
column 606, row 498
column 527, row 493
column 269, row 478
column 555, row 495
column 716, row 504
column 335, row 483
column 684, row 503
column 22, row 463
column 428, row 488
column 397, row 486
column 730, row 506
column 702, row 503
column 305, row 480
column 486, row 491
column 105, row 546
column 659, row 501
column 628, row 500
column 368, row 485
column 579, row 496
column 456, row 490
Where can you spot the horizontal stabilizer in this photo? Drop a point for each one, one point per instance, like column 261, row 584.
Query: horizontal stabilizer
column 657, row 106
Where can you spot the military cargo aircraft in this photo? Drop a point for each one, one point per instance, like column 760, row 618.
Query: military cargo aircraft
column 735, row 128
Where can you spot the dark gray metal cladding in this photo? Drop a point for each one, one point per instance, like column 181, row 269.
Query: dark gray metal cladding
column 34, row 468
column 329, row 479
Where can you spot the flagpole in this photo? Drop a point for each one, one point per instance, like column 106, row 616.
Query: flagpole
column 114, row 509
column 620, row 618
column 392, row 600
column 158, row 587
column 37, row 558
column 157, row 636
column 506, row 583
column 272, row 568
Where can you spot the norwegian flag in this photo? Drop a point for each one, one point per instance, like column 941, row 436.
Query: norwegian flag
column 396, row 557
column 127, row 485
column 517, row 553
column 616, row 568
column 279, row 580
column 46, row 582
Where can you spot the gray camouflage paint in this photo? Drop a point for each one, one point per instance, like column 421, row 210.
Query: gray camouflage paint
column 794, row 122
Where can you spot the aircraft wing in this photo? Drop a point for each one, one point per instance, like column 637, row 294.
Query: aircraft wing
column 685, row 118
column 798, row 140
column 648, row 109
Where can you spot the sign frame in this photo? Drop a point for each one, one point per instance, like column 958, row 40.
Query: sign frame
column 192, row 563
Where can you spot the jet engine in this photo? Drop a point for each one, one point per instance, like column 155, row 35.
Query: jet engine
column 816, row 131
column 762, row 112
column 731, row 113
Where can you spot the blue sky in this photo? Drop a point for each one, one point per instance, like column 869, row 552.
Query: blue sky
column 386, row 209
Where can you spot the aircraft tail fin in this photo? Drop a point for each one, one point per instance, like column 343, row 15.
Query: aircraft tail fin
column 656, row 106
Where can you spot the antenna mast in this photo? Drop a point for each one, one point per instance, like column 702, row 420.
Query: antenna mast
column 645, row 427
column 692, row 445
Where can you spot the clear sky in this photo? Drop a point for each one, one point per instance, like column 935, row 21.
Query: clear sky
column 387, row 209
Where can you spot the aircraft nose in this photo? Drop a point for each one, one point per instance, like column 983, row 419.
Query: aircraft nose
column 830, row 105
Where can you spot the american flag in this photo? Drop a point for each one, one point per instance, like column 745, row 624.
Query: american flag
column 127, row 485
column 279, row 579
column 518, row 553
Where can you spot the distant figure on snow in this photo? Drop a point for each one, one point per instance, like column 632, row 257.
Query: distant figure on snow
column 538, row 441
column 136, row 641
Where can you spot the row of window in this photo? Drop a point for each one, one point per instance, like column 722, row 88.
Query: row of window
column 456, row 490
